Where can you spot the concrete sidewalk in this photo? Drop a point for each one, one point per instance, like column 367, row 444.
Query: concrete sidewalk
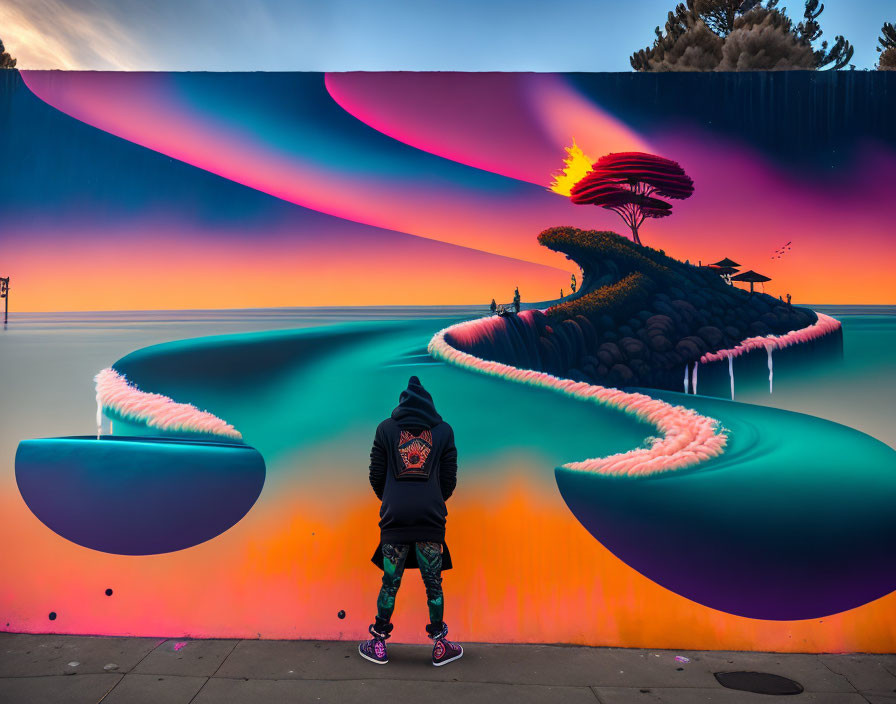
column 46, row 669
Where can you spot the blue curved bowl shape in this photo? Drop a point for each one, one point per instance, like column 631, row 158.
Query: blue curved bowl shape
column 795, row 521
column 138, row 495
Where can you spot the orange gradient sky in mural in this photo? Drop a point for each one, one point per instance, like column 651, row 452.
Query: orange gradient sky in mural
column 150, row 271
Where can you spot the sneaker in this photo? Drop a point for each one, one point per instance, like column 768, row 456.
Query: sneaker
column 375, row 648
column 444, row 650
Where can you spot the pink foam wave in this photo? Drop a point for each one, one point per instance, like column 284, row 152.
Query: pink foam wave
column 825, row 325
column 687, row 437
column 115, row 392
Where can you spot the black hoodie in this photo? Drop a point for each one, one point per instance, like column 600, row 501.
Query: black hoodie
column 413, row 469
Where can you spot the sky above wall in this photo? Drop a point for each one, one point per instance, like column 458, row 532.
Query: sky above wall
column 342, row 35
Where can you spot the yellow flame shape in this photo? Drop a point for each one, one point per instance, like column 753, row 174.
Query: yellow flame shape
column 575, row 166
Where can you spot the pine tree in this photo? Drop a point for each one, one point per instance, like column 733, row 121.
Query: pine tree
column 887, row 48
column 764, row 40
column 809, row 31
column 6, row 61
column 740, row 35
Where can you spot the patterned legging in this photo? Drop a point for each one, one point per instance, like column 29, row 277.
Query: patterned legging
column 429, row 559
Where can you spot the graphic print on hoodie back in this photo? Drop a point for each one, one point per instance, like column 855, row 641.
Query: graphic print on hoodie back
column 414, row 451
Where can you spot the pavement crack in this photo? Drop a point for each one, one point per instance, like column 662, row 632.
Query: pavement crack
column 839, row 674
column 596, row 695
column 220, row 665
column 148, row 652
column 109, row 691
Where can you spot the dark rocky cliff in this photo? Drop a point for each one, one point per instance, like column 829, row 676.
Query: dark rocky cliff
column 639, row 318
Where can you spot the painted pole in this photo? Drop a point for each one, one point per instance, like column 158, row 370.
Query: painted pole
column 4, row 294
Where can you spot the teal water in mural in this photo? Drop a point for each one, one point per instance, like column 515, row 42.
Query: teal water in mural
column 797, row 505
column 339, row 381
column 858, row 391
column 792, row 522
column 284, row 388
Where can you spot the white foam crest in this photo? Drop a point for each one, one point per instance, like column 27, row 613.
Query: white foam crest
column 115, row 392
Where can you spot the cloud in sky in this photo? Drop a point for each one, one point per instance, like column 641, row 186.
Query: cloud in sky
column 51, row 34
column 343, row 35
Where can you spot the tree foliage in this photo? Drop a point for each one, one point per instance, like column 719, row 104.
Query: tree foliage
column 632, row 184
column 6, row 61
column 809, row 31
column 887, row 48
column 763, row 40
column 740, row 35
column 719, row 15
column 689, row 47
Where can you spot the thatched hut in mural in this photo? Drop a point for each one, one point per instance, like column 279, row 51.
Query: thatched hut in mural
column 752, row 277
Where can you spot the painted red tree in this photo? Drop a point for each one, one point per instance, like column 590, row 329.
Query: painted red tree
column 628, row 183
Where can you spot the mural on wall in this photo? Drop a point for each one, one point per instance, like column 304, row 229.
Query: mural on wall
column 672, row 423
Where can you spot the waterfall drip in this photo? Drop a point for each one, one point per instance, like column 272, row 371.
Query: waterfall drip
column 685, row 378
column 771, row 368
column 694, row 379
column 731, row 374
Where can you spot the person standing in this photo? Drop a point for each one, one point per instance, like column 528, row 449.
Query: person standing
column 413, row 471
